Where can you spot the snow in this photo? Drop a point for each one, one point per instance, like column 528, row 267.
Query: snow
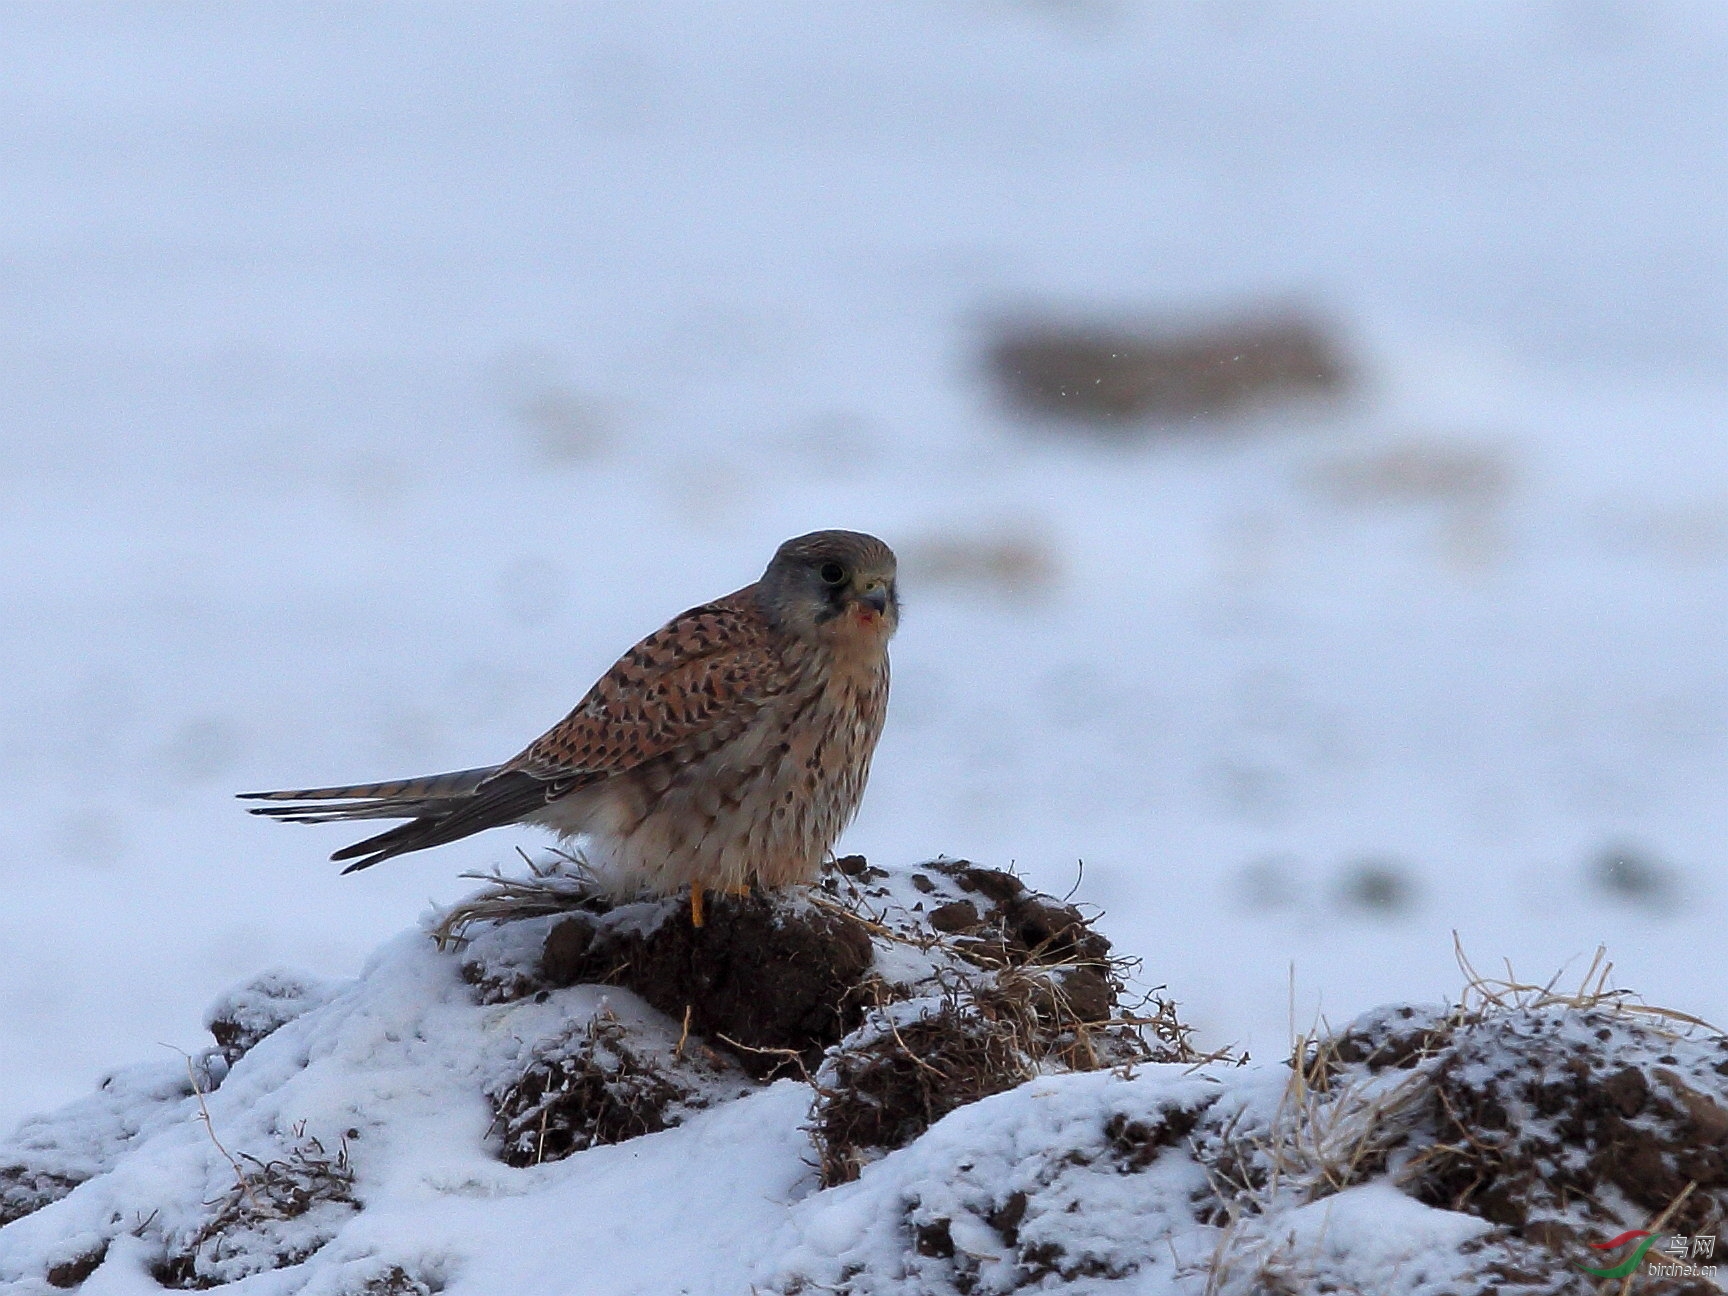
column 974, row 1160
column 393, row 1067
column 1378, row 1239
column 370, row 379
column 351, row 1150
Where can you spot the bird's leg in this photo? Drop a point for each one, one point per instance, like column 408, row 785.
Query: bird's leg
column 696, row 904
column 742, row 889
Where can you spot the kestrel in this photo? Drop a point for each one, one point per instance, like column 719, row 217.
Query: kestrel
column 729, row 747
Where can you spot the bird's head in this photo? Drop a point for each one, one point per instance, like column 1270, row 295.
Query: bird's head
column 834, row 585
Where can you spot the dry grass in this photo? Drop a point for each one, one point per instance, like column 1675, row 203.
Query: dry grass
column 1483, row 995
column 552, row 887
column 1325, row 1140
column 1323, row 1137
column 1246, row 1262
column 282, row 1188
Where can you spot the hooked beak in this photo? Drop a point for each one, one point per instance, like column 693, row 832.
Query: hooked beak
column 876, row 597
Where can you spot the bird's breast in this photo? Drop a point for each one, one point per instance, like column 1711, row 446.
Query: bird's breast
column 762, row 798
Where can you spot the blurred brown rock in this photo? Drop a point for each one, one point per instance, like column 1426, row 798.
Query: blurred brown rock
column 1115, row 374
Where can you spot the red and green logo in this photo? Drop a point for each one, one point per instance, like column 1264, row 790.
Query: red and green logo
column 1630, row 1263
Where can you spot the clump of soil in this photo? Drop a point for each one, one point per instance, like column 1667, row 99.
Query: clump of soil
column 70, row 1273
column 397, row 1281
column 1115, row 375
column 25, row 1189
column 1557, row 1122
column 988, row 1237
column 604, row 1083
column 257, row 1008
column 886, row 1086
column 769, row 978
column 1002, row 983
column 1550, row 1122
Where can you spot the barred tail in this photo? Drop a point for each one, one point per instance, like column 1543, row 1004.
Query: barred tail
column 440, row 808
column 455, row 783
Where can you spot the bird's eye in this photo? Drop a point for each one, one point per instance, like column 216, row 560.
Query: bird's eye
column 832, row 573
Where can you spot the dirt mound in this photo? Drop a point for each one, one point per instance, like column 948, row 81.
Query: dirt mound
column 1493, row 1150
column 1007, row 984
column 903, row 995
column 1520, row 1143
column 1549, row 1123
column 1561, row 1122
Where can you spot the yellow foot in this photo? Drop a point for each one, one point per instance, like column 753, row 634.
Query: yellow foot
column 695, row 906
column 742, row 889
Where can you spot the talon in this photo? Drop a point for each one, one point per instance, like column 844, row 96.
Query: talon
column 696, row 906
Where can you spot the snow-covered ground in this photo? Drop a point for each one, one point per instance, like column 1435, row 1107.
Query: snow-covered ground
column 404, row 1133
column 371, row 377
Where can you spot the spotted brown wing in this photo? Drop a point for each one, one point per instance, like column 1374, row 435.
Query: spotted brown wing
column 702, row 675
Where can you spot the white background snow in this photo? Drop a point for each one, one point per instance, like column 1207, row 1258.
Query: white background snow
column 371, row 376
